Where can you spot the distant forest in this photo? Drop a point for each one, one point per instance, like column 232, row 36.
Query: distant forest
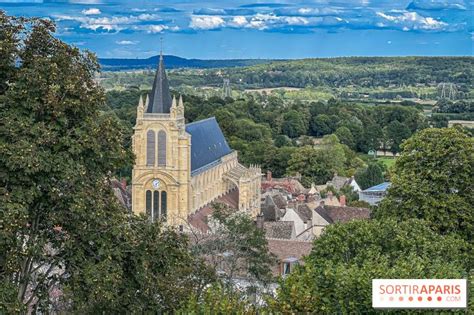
column 123, row 64
column 365, row 72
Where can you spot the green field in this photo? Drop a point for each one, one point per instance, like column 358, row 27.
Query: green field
column 388, row 161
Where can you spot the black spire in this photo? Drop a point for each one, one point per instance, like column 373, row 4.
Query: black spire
column 160, row 96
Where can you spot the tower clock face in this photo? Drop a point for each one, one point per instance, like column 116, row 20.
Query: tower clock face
column 156, row 183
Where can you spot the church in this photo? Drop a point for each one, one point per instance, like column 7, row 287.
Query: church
column 181, row 168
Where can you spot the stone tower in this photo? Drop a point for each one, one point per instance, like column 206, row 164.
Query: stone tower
column 162, row 170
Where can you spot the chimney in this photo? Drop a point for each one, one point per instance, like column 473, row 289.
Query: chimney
column 321, row 204
column 123, row 183
column 260, row 220
column 269, row 176
column 342, row 200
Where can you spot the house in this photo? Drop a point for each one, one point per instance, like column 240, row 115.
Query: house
column 326, row 214
column 338, row 182
column 289, row 253
column 374, row 194
column 331, row 200
column 280, row 230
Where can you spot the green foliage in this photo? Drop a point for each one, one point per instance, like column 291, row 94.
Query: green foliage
column 370, row 176
column 396, row 133
column 155, row 273
column 447, row 106
column 294, row 124
column 344, row 134
column 56, row 151
column 433, row 180
column 218, row 300
column 318, row 164
column 337, row 275
column 235, row 246
column 355, row 74
column 62, row 228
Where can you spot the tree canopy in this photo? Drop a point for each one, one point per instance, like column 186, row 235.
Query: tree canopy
column 433, row 179
column 337, row 275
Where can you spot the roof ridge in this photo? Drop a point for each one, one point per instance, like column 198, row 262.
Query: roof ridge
column 198, row 121
column 287, row 240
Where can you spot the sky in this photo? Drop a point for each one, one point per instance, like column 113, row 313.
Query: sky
column 229, row 29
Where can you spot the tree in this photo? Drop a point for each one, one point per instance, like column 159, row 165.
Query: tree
column 321, row 125
column 56, row 151
column 319, row 164
column 345, row 136
column 433, row 180
column 337, row 276
column 282, row 141
column 219, row 300
column 370, row 176
column 66, row 244
column 372, row 137
column 158, row 273
column 294, row 124
column 397, row 132
column 234, row 246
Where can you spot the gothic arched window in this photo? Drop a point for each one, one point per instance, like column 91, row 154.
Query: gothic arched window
column 148, row 203
column 156, row 205
column 150, row 148
column 161, row 148
column 163, row 205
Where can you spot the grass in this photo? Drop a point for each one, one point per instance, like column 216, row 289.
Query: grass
column 388, row 161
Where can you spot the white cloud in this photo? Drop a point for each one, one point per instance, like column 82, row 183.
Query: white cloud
column 238, row 21
column 206, row 22
column 118, row 23
column 91, row 11
column 412, row 21
column 153, row 29
column 127, row 42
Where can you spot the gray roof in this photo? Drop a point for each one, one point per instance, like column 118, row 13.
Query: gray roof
column 338, row 182
column 279, row 229
column 160, row 96
column 333, row 214
column 208, row 143
column 304, row 212
column 269, row 209
column 280, row 201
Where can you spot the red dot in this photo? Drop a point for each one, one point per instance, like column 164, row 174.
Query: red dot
column 429, row 298
column 400, row 298
column 391, row 298
column 420, row 298
column 439, row 298
column 410, row 298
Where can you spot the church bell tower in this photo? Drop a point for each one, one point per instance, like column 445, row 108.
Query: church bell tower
column 162, row 171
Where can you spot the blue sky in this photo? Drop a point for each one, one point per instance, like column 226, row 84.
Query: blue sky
column 259, row 29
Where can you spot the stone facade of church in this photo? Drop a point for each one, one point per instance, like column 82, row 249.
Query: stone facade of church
column 179, row 167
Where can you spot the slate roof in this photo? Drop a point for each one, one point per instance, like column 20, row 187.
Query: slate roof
column 279, row 229
column 304, row 212
column 338, row 182
column 208, row 143
column 160, row 96
column 280, row 201
column 333, row 214
column 269, row 209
